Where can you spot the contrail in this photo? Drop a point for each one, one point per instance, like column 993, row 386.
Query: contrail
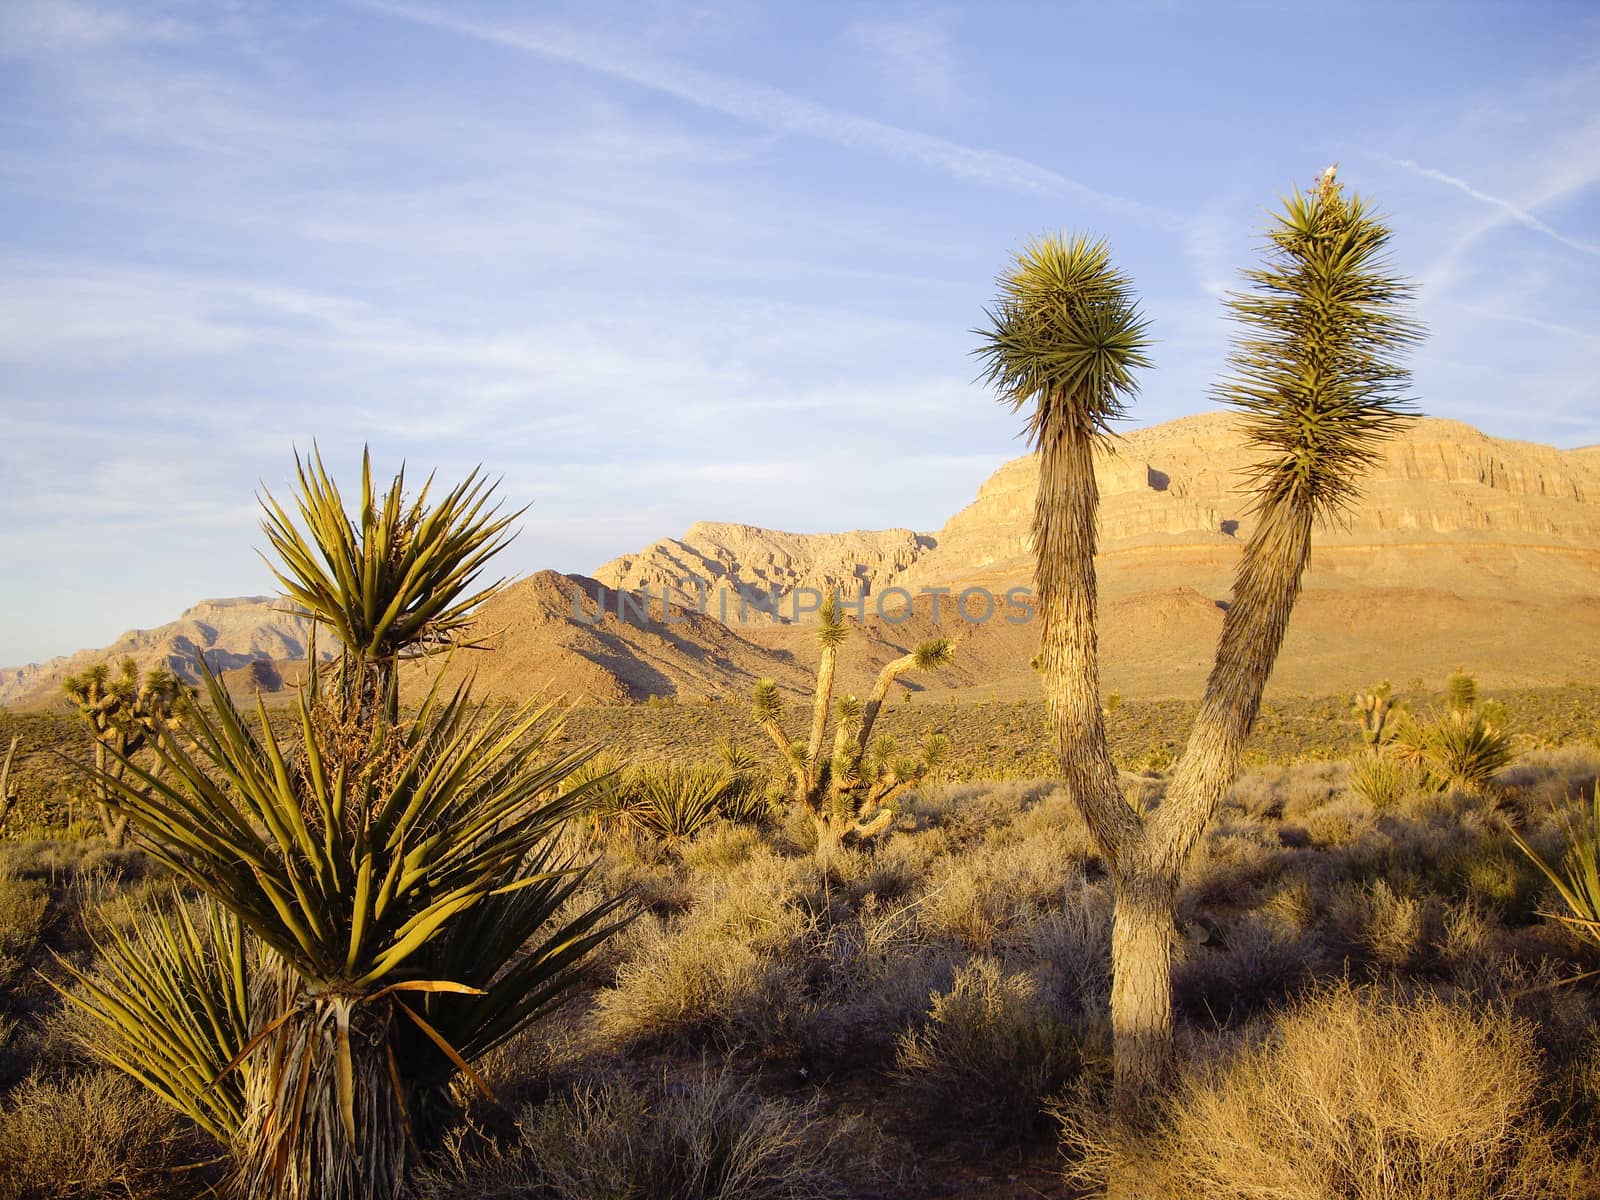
column 778, row 110
column 1521, row 215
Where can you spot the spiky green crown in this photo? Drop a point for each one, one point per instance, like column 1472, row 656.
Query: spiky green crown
column 767, row 701
column 832, row 630
column 1066, row 334
column 406, row 576
column 934, row 654
column 1316, row 365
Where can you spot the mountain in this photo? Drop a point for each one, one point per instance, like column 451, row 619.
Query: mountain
column 250, row 640
column 567, row 634
column 1463, row 549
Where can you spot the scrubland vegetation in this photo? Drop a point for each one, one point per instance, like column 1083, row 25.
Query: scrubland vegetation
column 1371, row 1005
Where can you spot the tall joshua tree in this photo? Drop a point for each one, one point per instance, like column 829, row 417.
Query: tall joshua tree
column 847, row 788
column 1315, row 372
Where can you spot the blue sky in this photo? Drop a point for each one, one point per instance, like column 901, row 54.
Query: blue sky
column 661, row 262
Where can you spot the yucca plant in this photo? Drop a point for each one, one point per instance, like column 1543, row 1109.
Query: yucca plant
column 1576, row 877
column 675, row 802
column 170, row 1005
column 1464, row 747
column 847, row 791
column 400, row 580
column 1316, row 377
column 400, row 876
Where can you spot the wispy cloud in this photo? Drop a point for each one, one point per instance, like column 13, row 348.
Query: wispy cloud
column 1512, row 210
column 914, row 55
column 778, row 110
column 27, row 25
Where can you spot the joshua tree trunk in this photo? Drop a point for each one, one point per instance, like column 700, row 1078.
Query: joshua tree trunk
column 7, row 796
column 1143, row 924
column 114, row 825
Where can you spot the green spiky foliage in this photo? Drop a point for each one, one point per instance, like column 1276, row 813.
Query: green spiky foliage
column 675, row 802
column 123, row 713
column 1576, row 877
column 1316, row 375
column 1461, row 691
column 169, row 1004
column 1464, row 746
column 400, row 876
column 848, row 792
column 400, row 579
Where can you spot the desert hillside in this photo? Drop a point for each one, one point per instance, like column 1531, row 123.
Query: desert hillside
column 1463, row 549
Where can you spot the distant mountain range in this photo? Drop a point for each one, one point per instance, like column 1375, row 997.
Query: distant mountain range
column 1464, row 549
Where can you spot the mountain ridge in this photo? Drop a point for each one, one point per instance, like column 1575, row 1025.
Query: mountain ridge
column 1463, row 547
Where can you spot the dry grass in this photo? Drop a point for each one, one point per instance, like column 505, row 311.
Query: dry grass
column 97, row 1135
column 704, row 1137
column 1356, row 1096
column 949, row 978
column 992, row 1049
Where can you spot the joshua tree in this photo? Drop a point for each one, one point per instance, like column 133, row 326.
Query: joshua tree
column 123, row 714
column 848, row 788
column 8, row 795
column 1314, row 372
column 1375, row 710
column 398, row 878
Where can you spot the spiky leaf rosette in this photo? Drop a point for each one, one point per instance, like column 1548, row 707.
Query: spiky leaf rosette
column 401, row 577
column 1316, row 365
column 169, row 1004
column 1066, row 334
column 767, row 702
column 412, row 888
column 934, row 654
column 831, row 629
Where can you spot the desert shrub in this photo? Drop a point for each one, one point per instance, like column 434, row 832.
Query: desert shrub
column 976, row 897
column 1353, row 1096
column 24, row 910
column 990, row 1053
column 1233, row 861
column 721, row 847
column 723, row 967
column 1382, row 780
column 867, row 979
column 708, row 1137
column 1339, row 822
column 1255, row 962
column 96, row 1135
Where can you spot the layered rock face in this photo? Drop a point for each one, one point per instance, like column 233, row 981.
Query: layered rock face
column 1446, row 506
column 1464, row 549
column 717, row 563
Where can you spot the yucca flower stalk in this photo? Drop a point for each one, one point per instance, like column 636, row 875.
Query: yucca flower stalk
column 400, row 876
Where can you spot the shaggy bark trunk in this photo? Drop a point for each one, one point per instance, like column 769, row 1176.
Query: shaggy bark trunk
column 1143, row 934
column 293, row 1145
